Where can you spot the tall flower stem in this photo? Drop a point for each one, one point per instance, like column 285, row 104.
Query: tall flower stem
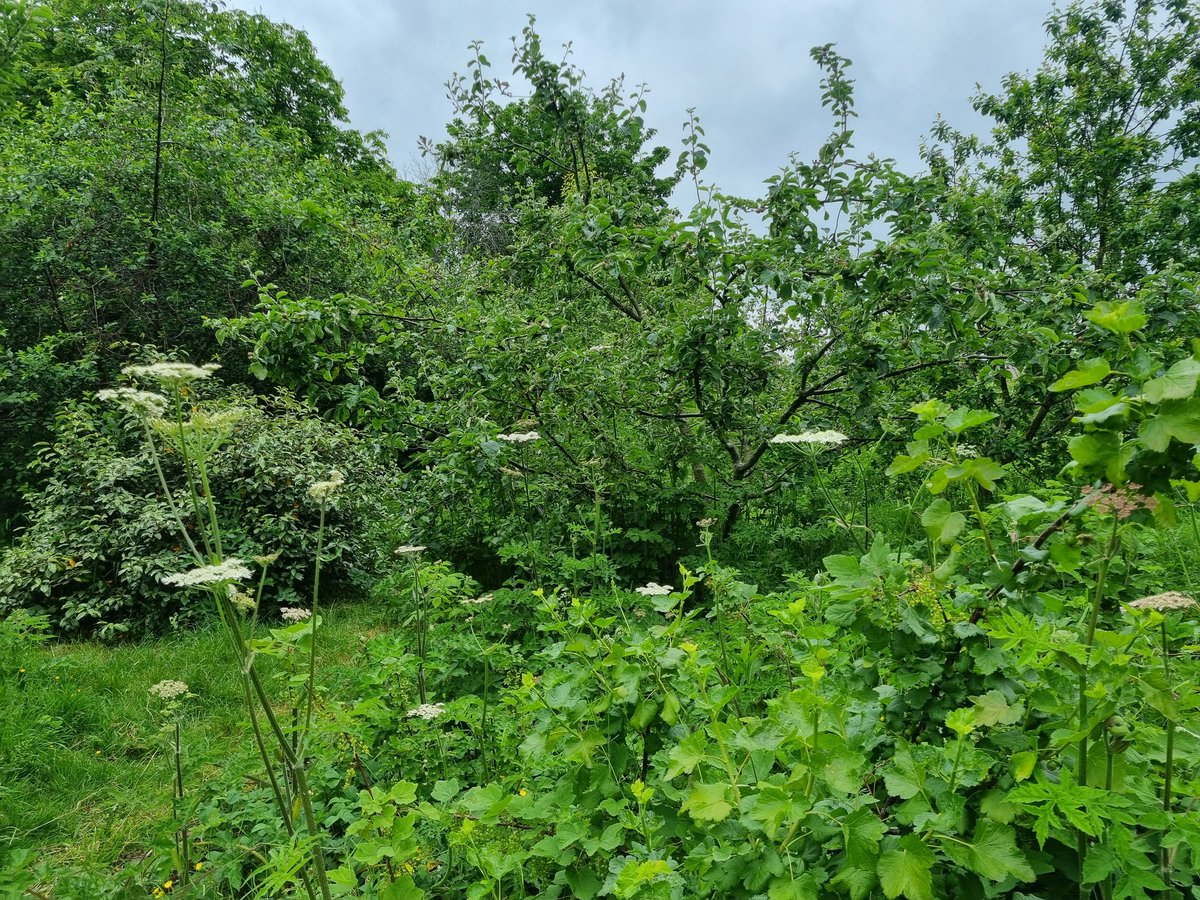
column 182, row 837
column 1110, row 550
column 419, row 606
column 1169, row 760
column 310, row 684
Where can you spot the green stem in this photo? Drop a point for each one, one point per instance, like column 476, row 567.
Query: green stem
column 310, row 687
column 171, row 505
column 418, row 601
column 1093, row 621
column 957, row 760
column 1169, row 761
column 298, row 775
column 836, row 512
column 191, row 479
column 182, row 835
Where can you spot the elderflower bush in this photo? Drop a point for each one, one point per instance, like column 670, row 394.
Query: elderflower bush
column 101, row 537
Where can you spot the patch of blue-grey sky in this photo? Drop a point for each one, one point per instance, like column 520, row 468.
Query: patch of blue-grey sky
column 744, row 66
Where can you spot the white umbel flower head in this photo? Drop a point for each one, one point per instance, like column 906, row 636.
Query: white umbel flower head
column 1164, row 602
column 654, row 589
column 427, row 711
column 322, row 491
column 823, row 438
column 169, row 690
column 295, row 614
column 519, row 437
column 232, row 569
column 410, row 549
column 144, row 404
column 171, row 374
column 477, row 601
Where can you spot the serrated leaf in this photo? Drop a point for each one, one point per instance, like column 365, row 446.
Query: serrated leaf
column 992, row 709
column 1094, row 448
column 1022, row 764
column 687, row 754
column 1178, row 419
column 905, row 870
column 708, row 803
column 637, row 874
column 962, row 419
column 1119, row 317
column 902, row 464
column 992, row 853
column 1088, row 372
column 904, row 778
column 803, row 888
column 942, row 524
column 1177, row 383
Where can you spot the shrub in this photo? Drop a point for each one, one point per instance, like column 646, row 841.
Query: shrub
column 100, row 533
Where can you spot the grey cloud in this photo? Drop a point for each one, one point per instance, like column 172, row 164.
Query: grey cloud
column 744, row 66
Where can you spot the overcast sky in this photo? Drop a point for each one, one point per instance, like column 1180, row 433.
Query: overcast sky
column 743, row 65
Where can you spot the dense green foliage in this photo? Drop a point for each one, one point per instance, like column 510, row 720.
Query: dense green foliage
column 917, row 453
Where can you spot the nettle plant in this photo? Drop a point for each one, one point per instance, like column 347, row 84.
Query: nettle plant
column 172, row 418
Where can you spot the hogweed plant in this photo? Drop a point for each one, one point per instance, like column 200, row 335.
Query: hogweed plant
column 170, row 695
column 174, row 417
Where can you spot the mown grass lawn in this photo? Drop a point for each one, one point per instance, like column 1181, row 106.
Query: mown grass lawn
column 84, row 760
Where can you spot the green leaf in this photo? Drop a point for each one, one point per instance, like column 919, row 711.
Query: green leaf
column 905, row 870
column 1022, row 764
column 1178, row 383
column 948, row 566
column 962, row 419
column 961, row 721
column 902, row 464
column 1178, row 419
column 403, row 888
column 687, row 754
column 1119, row 317
column 942, row 524
column 637, row 874
column 992, row 853
column 993, row 709
column 403, row 793
column 904, row 777
column 803, row 888
column 1088, row 372
column 707, row 803
column 1095, row 448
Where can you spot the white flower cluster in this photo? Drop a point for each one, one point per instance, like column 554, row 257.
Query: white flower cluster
column 427, row 711
column 171, row 374
column 169, row 690
column 519, row 437
column 477, row 601
column 321, row 491
column 654, row 589
column 141, row 403
column 1164, row 602
column 408, row 549
column 826, row 438
column 232, row 569
column 241, row 600
column 294, row 614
